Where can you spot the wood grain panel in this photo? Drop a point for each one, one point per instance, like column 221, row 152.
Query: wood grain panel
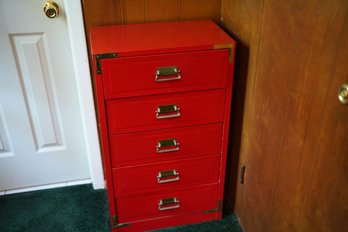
column 328, row 177
column 201, row 9
column 133, row 11
column 294, row 131
column 241, row 18
column 104, row 12
column 299, row 145
column 159, row 10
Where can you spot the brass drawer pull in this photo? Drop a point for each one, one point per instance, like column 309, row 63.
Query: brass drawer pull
column 167, row 145
column 167, row 176
column 167, row 111
column 170, row 73
column 168, row 203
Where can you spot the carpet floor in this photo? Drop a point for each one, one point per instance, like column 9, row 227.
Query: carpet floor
column 77, row 209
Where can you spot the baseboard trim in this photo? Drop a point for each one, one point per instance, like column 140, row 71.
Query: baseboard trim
column 47, row 186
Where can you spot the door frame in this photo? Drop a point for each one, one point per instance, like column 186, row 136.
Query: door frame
column 78, row 45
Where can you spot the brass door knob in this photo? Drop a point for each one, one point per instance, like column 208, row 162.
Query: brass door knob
column 51, row 9
column 343, row 94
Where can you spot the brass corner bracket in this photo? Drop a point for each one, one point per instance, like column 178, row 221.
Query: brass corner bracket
column 99, row 57
column 115, row 223
column 231, row 48
column 217, row 209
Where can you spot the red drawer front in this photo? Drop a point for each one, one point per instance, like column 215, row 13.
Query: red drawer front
column 134, row 76
column 139, row 114
column 166, row 175
column 163, row 145
column 145, row 207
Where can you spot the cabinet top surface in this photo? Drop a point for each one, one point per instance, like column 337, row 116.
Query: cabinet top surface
column 138, row 39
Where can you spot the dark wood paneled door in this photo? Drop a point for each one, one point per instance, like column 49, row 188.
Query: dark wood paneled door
column 296, row 151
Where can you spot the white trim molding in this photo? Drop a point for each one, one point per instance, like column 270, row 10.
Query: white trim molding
column 73, row 11
column 46, row 186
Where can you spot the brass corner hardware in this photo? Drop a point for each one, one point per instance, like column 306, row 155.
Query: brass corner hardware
column 115, row 223
column 99, row 57
column 227, row 46
column 217, row 209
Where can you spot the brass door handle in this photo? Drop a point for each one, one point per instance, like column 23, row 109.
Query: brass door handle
column 343, row 94
column 51, row 9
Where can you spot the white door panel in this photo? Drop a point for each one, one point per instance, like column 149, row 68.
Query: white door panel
column 41, row 134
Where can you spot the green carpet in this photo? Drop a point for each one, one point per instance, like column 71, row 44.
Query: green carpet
column 76, row 209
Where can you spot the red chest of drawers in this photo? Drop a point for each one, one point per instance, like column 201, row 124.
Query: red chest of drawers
column 163, row 94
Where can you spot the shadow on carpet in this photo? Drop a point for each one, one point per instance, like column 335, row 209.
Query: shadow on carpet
column 77, row 209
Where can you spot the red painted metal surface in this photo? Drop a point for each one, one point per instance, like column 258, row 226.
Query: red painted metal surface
column 155, row 223
column 138, row 114
column 191, row 200
column 139, row 148
column 127, row 98
column 155, row 38
column 142, row 179
column 133, row 76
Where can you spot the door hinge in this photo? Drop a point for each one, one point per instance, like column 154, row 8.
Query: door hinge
column 115, row 223
column 241, row 174
column 99, row 57
column 217, row 209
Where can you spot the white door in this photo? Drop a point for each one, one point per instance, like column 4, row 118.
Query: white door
column 41, row 133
